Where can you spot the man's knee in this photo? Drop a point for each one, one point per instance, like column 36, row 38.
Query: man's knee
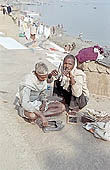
column 62, row 107
column 30, row 115
column 33, row 116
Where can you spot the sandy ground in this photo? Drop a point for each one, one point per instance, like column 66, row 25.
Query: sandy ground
column 24, row 146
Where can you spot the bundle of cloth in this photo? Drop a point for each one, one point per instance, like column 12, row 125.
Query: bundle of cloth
column 99, row 123
column 99, row 129
column 106, row 60
column 90, row 54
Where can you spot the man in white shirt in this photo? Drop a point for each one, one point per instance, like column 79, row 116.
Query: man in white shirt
column 31, row 100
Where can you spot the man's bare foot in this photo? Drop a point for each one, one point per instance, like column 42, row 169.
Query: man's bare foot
column 44, row 121
column 91, row 130
column 33, row 122
column 76, row 108
column 72, row 112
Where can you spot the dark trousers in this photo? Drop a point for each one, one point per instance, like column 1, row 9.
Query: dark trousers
column 70, row 101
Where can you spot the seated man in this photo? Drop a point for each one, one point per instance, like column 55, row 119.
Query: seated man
column 71, row 84
column 31, row 101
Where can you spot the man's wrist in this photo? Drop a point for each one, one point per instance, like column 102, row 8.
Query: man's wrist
column 72, row 80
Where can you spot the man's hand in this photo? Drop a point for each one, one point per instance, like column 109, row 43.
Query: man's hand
column 72, row 80
column 42, row 107
column 66, row 73
column 54, row 73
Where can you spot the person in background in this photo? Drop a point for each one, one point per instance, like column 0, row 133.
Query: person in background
column 66, row 48
column 33, row 31
column 73, row 46
column 4, row 10
column 80, row 36
column 69, row 47
column 9, row 10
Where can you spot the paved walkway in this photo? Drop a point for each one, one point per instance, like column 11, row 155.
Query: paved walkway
column 26, row 147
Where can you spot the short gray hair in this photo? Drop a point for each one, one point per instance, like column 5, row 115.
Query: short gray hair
column 41, row 68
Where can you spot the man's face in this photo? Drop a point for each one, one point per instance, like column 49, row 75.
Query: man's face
column 41, row 77
column 68, row 64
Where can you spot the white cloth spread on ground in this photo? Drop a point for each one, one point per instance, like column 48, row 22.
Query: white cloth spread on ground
column 1, row 33
column 57, row 47
column 10, row 43
column 54, row 62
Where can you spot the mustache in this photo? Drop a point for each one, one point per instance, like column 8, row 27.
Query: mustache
column 66, row 69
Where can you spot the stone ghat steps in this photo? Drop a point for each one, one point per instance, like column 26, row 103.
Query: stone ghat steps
column 93, row 66
column 98, row 78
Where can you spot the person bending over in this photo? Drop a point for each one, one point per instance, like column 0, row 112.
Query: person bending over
column 71, row 84
column 31, row 101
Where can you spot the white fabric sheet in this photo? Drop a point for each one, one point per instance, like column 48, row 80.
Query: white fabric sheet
column 1, row 33
column 54, row 62
column 10, row 43
column 57, row 47
column 54, row 56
